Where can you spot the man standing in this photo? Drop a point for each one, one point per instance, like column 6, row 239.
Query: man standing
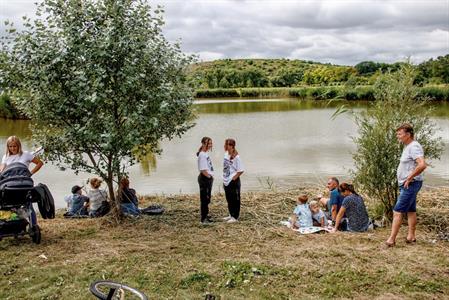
column 410, row 180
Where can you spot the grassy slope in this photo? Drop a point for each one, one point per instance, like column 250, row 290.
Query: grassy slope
column 266, row 66
column 173, row 257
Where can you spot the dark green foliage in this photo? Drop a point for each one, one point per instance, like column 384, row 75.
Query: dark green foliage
column 367, row 67
column 216, row 93
column 287, row 77
column 435, row 70
column 7, row 109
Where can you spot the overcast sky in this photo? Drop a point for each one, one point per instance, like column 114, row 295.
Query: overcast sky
column 337, row 31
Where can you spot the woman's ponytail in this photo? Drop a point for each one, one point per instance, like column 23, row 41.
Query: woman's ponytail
column 347, row 187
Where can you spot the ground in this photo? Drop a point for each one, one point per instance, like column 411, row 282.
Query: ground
column 173, row 257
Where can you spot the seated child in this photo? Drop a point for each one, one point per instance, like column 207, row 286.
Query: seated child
column 302, row 216
column 76, row 203
column 318, row 216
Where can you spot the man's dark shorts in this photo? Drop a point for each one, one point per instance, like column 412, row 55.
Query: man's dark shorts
column 407, row 197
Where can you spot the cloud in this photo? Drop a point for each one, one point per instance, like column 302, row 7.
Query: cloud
column 342, row 32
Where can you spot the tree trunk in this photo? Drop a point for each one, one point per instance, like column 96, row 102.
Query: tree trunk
column 115, row 201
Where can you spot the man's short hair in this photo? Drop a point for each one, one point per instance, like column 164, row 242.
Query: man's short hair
column 408, row 128
column 334, row 179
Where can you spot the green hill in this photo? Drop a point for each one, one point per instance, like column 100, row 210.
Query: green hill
column 248, row 73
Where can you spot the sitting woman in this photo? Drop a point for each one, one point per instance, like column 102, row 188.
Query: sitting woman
column 354, row 208
column 96, row 197
column 129, row 202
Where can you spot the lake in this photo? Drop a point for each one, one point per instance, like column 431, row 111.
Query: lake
column 282, row 143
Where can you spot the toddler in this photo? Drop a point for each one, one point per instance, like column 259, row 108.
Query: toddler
column 318, row 216
column 302, row 216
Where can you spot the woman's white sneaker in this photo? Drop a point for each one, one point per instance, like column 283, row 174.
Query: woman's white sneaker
column 232, row 220
column 227, row 218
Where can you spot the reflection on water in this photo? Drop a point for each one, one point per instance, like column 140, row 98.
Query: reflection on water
column 277, row 105
column 17, row 127
column 287, row 141
column 219, row 106
column 148, row 163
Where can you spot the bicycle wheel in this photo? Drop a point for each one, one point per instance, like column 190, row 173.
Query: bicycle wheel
column 97, row 289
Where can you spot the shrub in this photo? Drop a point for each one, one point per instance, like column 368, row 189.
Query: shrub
column 377, row 150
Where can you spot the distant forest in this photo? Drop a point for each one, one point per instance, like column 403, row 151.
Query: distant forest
column 247, row 73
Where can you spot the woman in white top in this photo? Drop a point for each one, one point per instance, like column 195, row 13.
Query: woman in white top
column 96, row 196
column 205, row 178
column 232, row 169
column 14, row 153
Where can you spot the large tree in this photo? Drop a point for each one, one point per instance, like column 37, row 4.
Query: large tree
column 99, row 82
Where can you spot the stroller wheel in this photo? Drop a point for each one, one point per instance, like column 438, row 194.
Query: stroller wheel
column 36, row 234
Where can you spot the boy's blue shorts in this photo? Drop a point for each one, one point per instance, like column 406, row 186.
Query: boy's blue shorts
column 407, row 197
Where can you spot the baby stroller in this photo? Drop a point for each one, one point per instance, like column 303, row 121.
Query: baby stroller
column 17, row 195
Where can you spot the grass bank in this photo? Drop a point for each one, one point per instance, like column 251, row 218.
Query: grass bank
column 436, row 93
column 172, row 257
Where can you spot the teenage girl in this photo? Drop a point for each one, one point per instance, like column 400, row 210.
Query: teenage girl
column 232, row 170
column 205, row 177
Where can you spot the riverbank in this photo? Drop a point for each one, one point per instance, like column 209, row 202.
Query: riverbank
column 436, row 93
column 173, row 257
column 364, row 93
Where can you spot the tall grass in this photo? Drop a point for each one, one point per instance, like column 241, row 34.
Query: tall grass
column 437, row 93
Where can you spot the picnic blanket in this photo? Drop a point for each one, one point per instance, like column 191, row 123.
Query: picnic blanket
column 307, row 230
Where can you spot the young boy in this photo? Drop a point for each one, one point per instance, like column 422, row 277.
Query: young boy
column 302, row 216
column 318, row 216
column 76, row 203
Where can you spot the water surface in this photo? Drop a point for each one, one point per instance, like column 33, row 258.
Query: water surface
column 281, row 141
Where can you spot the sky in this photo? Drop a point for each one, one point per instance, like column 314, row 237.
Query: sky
column 338, row 31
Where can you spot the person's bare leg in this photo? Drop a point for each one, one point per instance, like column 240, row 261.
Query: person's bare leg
column 411, row 218
column 293, row 220
column 397, row 220
column 324, row 201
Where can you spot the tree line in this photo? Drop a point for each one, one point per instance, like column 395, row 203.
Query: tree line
column 248, row 73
